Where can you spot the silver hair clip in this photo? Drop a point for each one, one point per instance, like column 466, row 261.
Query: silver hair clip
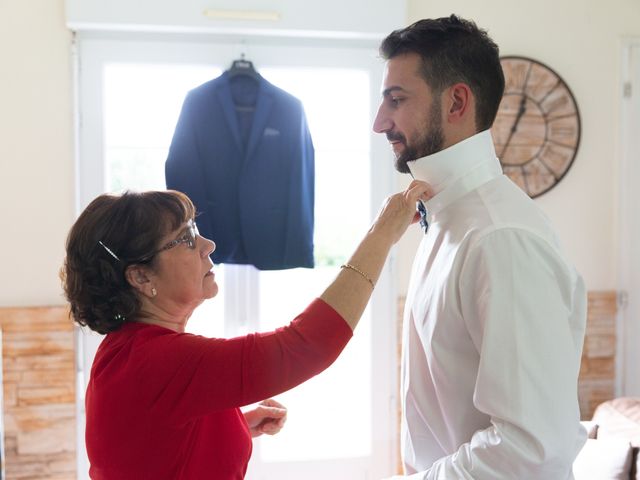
column 108, row 250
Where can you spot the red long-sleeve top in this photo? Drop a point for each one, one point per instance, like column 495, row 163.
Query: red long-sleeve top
column 164, row 405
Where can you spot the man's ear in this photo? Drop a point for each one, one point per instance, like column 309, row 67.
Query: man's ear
column 138, row 277
column 459, row 103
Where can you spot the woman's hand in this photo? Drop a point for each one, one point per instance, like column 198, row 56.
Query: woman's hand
column 350, row 291
column 268, row 417
column 399, row 210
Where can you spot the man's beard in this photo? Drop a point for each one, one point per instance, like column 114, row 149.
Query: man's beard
column 428, row 144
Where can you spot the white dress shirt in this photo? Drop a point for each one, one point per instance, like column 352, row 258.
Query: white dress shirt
column 493, row 330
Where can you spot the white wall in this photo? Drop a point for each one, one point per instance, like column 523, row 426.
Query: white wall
column 36, row 161
column 295, row 18
column 581, row 40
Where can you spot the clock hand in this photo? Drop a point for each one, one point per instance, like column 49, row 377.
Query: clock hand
column 521, row 110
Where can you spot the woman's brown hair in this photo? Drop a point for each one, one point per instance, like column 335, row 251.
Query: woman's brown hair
column 113, row 232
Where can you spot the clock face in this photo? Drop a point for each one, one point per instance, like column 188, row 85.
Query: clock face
column 537, row 129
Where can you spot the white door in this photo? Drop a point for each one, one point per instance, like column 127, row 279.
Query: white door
column 629, row 222
column 341, row 423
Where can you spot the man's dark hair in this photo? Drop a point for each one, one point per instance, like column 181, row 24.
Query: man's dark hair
column 454, row 50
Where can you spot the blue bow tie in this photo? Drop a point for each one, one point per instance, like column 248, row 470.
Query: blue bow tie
column 423, row 216
column 423, row 212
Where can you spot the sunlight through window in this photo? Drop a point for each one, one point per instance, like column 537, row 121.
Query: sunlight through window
column 142, row 103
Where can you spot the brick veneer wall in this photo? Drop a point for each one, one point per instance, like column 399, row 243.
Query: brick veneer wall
column 39, row 393
column 597, row 381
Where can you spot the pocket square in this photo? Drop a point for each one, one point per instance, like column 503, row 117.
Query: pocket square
column 271, row 132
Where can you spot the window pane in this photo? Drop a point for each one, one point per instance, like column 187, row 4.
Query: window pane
column 141, row 107
column 336, row 103
column 142, row 103
column 337, row 400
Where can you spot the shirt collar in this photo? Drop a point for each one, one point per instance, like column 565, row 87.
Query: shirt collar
column 457, row 170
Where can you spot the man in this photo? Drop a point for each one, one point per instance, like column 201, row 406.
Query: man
column 495, row 314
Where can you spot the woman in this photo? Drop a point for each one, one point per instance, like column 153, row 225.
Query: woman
column 161, row 403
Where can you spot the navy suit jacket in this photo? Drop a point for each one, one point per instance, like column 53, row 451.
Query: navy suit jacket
column 243, row 153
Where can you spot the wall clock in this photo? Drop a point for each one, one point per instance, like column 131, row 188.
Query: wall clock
column 537, row 129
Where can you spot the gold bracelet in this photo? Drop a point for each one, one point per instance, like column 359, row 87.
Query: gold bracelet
column 357, row 270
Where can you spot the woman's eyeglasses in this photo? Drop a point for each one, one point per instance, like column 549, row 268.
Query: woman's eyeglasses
column 188, row 237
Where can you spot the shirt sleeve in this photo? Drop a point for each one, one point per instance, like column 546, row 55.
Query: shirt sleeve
column 188, row 376
column 518, row 301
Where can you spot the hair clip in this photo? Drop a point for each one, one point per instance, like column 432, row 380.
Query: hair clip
column 108, row 250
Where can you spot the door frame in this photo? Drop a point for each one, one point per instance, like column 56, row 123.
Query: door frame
column 628, row 325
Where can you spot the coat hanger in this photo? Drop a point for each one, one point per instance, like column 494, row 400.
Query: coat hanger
column 243, row 67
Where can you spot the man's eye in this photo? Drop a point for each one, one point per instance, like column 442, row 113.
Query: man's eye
column 396, row 100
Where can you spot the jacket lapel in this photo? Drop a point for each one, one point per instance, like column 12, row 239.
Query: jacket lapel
column 263, row 108
column 226, row 100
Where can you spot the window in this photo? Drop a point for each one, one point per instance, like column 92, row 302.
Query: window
column 134, row 95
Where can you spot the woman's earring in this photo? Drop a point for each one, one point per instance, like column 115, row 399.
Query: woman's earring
column 154, row 292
